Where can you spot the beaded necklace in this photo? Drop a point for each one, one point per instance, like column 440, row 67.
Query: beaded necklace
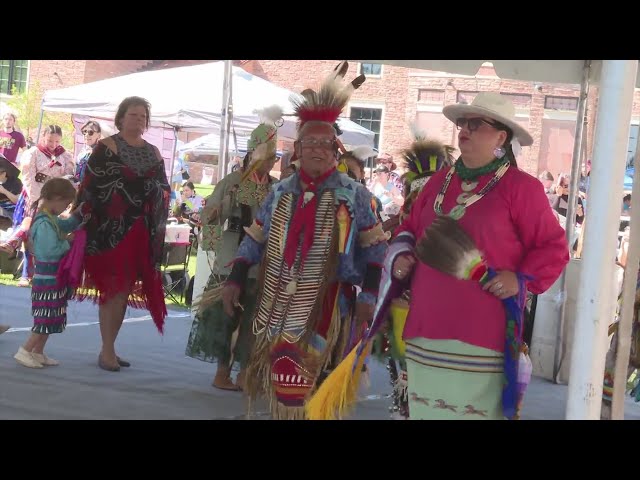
column 467, row 198
column 466, row 173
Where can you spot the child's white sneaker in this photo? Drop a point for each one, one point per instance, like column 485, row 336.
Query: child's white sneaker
column 27, row 359
column 44, row 360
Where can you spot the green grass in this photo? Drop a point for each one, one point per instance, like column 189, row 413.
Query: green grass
column 7, row 279
column 204, row 190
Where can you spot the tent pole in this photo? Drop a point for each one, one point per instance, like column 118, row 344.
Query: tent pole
column 40, row 122
column 173, row 154
column 629, row 284
column 224, row 120
column 595, row 302
column 578, row 145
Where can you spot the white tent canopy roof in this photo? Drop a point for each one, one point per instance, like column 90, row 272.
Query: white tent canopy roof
column 551, row 71
column 190, row 99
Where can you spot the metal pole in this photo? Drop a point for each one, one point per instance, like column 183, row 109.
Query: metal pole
column 628, row 300
column 225, row 120
column 571, row 212
column 594, row 305
column 173, row 154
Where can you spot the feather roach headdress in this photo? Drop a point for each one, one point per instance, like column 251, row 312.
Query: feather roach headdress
column 424, row 158
column 326, row 104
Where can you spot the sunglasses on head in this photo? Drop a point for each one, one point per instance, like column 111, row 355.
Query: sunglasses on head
column 474, row 123
column 88, row 132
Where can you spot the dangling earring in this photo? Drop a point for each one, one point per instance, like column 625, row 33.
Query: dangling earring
column 499, row 152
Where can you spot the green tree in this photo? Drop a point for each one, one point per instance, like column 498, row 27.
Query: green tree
column 26, row 106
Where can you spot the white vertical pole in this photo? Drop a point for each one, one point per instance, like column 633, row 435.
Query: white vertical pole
column 628, row 299
column 570, row 223
column 225, row 119
column 594, row 303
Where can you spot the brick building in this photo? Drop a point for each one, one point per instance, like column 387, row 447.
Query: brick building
column 389, row 100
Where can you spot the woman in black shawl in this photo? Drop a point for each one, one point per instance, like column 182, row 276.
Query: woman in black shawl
column 126, row 199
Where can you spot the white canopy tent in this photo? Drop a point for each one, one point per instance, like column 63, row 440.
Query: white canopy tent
column 210, row 144
column 189, row 99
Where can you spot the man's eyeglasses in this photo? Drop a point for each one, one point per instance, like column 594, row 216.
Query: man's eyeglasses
column 310, row 142
column 474, row 123
column 88, row 132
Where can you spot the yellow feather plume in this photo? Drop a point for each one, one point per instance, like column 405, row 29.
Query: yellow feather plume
column 339, row 391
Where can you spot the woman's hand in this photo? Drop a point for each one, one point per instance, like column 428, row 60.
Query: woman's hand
column 403, row 266
column 503, row 285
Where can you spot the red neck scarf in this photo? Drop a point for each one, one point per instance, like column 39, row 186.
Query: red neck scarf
column 304, row 218
column 52, row 155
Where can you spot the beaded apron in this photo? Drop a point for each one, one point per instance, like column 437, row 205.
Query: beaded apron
column 292, row 346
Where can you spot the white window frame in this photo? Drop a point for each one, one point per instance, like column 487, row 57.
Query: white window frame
column 430, row 108
column 371, row 76
column 8, row 95
column 575, row 112
column 431, row 103
column 372, row 105
column 560, row 115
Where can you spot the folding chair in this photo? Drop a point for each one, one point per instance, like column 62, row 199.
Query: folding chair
column 175, row 269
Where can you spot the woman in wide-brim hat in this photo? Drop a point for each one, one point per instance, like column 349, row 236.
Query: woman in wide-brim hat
column 456, row 331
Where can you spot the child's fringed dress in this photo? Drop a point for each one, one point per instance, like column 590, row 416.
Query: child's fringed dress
column 49, row 245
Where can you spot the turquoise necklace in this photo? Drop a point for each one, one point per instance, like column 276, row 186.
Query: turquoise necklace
column 466, row 173
column 467, row 197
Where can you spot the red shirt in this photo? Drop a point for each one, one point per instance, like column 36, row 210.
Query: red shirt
column 10, row 144
column 515, row 228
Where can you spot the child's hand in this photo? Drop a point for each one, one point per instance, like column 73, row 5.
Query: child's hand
column 77, row 210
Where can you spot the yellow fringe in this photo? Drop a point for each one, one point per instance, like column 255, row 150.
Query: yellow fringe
column 339, row 390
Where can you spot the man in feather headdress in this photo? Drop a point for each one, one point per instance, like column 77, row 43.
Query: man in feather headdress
column 316, row 237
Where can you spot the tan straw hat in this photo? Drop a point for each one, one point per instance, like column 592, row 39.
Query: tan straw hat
column 495, row 106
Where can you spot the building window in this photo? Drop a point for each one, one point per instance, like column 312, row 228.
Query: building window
column 13, row 73
column 518, row 100
column 561, row 103
column 369, row 118
column 372, row 69
column 426, row 95
column 465, row 97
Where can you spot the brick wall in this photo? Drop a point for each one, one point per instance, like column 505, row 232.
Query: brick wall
column 54, row 74
column 102, row 69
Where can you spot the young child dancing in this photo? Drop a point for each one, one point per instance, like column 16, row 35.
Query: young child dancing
column 49, row 241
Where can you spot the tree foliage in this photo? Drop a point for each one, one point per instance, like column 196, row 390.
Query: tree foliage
column 26, row 106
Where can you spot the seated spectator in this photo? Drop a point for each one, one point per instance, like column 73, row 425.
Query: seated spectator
column 10, row 188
